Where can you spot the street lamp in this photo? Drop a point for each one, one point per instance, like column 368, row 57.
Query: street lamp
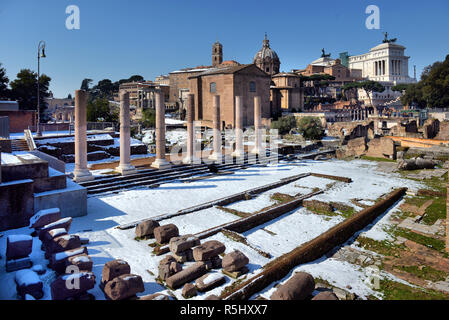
column 40, row 54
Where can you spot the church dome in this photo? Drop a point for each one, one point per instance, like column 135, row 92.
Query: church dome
column 266, row 51
column 267, row 59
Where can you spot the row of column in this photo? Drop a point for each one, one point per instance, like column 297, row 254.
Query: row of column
column 217, row 154
column 379, row 67
column 359, row 114
column 82, row 173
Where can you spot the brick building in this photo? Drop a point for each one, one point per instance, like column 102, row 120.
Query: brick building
column 247, row 81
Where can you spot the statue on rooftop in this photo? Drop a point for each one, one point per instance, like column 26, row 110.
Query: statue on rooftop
column 386, row 40
column 324, row 55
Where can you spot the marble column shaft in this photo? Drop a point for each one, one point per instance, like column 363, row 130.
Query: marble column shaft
column 160, row 161
column 125, row 166
column 81, row 173
column 216, row 155
column 239, row 148
column 190, row 116
column 257, row 125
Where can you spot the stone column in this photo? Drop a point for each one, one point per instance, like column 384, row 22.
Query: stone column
column 190, row 117
column 217, row 154
column 160, row 162
column 257, row 126
column 81, row 173
column 125, row 167
column 239, row 151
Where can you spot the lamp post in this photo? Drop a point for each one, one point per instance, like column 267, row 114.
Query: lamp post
column 40, row 54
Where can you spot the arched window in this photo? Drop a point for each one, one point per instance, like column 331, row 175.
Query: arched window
column 213, row 87
column 252, row 86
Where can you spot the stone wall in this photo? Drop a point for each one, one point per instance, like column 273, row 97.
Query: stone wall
column 431, row 128
column 347, row 131
column 443, row 134
column 16, row 203
column 382, row 148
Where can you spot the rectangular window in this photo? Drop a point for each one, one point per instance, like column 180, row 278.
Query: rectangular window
column 252, row 86
column 213, row 87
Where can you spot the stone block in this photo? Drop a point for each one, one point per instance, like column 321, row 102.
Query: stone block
column 208, row 250
column 18, row 246
column 298, row 287
column 114, row 269
column 210, row 281
column 163, row 234
column 183, row 243
column 123, row 287
column 146, row 228
column 45, row 217
column 60, row 290
column 189, row 274
column 234, row 261
column 28, row 282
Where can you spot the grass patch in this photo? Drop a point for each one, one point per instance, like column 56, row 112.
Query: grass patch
column 281, row 197
column 425, row 272
column 383, row 247
column 376, row 159
column 397, row 291
column 234, row 212
column 429, row 242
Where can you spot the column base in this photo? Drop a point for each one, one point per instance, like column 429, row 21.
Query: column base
column 216, row 157
column 255, row 151
column 82, row 175
column 125, row 170
column 161, row 164
column 191, row 160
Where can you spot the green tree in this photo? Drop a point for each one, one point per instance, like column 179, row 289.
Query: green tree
column 85, row 84
column 24, row 90
column 370, row 87
column 136, row 78
column 98, row 110
column 310, row 128
column 149, row 118
column 284, row 124
column 350, row 90
column 4, row 91
column 400, row 87
column 433, row 89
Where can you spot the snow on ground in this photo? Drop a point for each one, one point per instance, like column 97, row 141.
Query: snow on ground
column 105, row 212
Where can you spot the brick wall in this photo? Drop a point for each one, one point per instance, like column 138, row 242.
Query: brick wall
column 19, row 120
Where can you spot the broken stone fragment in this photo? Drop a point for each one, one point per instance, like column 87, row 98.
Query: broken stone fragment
column 189, row 274
column 208, row 250
column 163, row 234
column 146, row 228
column 28, row 283
column 18, row 246
column 83, row 262
column 64, row 223
column 62, row 243
column 234, row 261
column 209, row 281
column 113, row 269
column 298, row 287
column 123, row 287
column 183, row 243
column 189, row 290
column 45, row 217
column 60, row 291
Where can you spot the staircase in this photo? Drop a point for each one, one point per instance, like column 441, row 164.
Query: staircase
column 19, row 145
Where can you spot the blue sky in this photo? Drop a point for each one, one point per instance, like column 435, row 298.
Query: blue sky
column 147, row 37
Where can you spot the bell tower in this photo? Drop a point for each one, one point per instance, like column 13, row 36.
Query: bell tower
column 217, row 54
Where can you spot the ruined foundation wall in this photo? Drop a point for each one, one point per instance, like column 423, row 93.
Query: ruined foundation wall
column 312, row 250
